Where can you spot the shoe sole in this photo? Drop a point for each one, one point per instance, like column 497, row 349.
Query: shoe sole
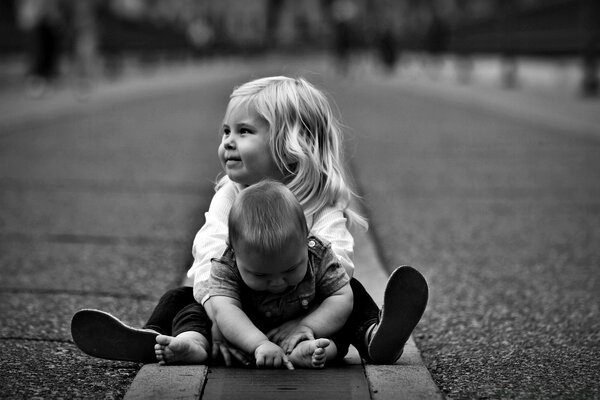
column 99, row 334
column 404, row 302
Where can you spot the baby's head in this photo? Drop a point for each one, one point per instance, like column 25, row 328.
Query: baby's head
column 268, row 231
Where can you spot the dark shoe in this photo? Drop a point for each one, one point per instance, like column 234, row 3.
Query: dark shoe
column 404, row 302
column 99, row 334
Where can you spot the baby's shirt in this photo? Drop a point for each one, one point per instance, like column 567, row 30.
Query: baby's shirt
column 211, row 240
column 324, row 276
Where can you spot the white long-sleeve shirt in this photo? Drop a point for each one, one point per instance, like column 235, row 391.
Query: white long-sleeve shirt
column 211, row 239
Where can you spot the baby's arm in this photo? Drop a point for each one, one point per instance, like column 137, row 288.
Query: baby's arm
column 331, row 315
column 241, row 332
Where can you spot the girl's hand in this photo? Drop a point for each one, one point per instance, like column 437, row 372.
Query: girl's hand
column 300, row 334
column 289, row 334
column 279, row 334
column 269, row 355
column 220, row 346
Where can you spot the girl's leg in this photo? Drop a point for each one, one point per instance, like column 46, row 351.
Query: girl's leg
column 190, row 343
column 364, row 315
column 169, row 305
column 102, row 335
column 380, row 336
column 99, row 334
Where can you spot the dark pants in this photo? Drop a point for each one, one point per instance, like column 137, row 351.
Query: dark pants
column 177, row 311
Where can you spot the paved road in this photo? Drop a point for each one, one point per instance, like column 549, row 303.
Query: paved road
column 99, row 205
column 502, row 211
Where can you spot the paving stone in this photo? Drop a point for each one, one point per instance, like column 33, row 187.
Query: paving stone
column 88, row 213
column 48, row 316
column 52, row 370
column 126, row 269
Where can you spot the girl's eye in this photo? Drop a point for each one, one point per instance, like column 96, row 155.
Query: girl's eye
column 226, row 131
column 245, row 130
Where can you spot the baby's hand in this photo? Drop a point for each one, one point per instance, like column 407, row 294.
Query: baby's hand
column 269, row 355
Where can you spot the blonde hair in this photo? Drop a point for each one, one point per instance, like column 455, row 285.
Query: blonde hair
column 266, row 217
column 305, row 140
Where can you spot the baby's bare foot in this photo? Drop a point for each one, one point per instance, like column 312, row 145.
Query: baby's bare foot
column 185, row 348
column 312, row 353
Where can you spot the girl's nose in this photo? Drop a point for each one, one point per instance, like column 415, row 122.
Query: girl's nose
column 228, row 142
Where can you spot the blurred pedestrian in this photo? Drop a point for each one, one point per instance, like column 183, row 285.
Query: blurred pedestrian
column 42, row 21
column 388, row 49
column 436, row 42
column 343, row 13
column 84, row 42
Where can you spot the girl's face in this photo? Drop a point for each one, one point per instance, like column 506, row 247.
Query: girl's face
column 244, row 151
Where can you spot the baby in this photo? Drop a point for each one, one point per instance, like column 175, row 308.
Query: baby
column 271, row 273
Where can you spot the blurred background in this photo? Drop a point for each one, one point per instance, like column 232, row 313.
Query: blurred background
column 85, row 40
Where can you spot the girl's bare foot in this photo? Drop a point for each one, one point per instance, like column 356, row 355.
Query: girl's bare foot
column 312, row 353
column 185, row 348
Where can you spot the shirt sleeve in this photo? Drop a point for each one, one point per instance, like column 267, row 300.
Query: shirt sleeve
column 330, row 224
column 224, row 280
column 330, row 276
column 211, row 240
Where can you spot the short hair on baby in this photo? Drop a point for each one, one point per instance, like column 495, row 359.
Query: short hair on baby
column 265, row 217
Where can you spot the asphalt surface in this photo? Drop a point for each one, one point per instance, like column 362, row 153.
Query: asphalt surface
column 495, row 196
column 502, row 211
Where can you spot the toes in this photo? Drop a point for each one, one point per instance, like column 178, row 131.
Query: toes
column 164, row 340
column 322, row 343
column 319, row 357
column 319, row 354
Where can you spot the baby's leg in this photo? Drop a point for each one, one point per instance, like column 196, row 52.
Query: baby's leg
column 313, row 353
column 186, row 348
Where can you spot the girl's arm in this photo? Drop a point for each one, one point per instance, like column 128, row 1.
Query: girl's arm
column 241, row 332
column 330, row 224
column 211, row 239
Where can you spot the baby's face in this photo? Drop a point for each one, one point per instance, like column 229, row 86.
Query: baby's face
column 274, row 273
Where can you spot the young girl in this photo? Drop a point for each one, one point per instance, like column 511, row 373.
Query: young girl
column 283, row 129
